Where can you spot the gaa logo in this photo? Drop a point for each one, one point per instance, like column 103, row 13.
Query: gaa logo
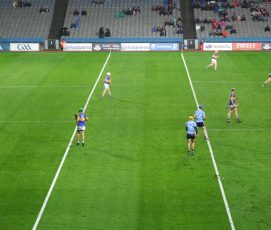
column 24, row 47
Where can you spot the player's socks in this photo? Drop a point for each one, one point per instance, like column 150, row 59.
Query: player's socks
column 78, row 143
column 192, row 152
column 188, row 153
column 83, row 144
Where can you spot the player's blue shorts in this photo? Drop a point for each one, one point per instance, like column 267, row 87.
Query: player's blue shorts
column 190, row 136
column 200, row 124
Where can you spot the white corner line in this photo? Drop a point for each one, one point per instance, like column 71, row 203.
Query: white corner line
column 227, row 207
column 66, row 153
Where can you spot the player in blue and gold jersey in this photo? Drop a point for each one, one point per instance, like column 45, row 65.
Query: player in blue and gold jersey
column 81, row 119
column 233, row 106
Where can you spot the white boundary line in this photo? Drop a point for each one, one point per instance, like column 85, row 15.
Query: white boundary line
column 237, row 82
column 66, row 152
column 41, row 86
column 212, row 154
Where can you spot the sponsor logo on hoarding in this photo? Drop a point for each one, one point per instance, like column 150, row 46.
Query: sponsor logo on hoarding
column 247, row 46
column 135, row 46
column 106, row 46
column 77, row 47
column 266, row 46
column 217, row 46
column 4, row 47
column 165, row 46
column 25, row 47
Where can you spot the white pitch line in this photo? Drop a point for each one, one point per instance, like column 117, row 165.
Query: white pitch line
column 41, row 86
column 230, row 82
column 227, row 207
column 66, row 152
column 36, row 122
column 239, row 129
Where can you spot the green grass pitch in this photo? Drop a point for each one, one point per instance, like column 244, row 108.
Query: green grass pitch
column 133, row 173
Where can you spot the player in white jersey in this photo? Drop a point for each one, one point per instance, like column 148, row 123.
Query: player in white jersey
column 107, row 85
column 213, row 60
column 200, row 117
column 268, row 80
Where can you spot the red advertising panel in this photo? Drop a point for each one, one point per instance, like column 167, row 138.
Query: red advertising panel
column 246, row 46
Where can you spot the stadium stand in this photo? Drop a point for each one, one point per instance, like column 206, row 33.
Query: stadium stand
column 206, row 11
column 111, row 14
column 25, row 22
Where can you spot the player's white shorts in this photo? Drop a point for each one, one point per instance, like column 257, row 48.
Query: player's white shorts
column 106, row 86
column 214, row 61
column 81, row 128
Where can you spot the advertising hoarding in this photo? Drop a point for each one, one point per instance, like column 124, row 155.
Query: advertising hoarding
column 135, row 46
column 77, row 47
column 216, row 46
column 165, row 47
column 24, row 47
column 246, row 46
column 106, row 46
column 4, row 47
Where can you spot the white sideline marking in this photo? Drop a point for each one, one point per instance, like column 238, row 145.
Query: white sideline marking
column 42, row 86
column 66, row 152
column 230, row 82
column 212, row 154
column 36, row 122
column 239, row 129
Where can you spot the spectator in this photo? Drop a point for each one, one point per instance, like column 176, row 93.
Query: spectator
column 267, row 28
column 101, row 32
column 107, row 32
column 225, row 33
column 202, row 28
column 243, row 18
column 233, row 30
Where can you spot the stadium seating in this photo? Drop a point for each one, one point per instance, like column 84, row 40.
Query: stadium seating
column 248, row 28
column 106, row 15
column 25, row 22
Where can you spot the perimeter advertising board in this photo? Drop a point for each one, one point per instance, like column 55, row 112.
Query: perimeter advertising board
column 106, row 46
column 246, row 46
column 165, row 47
column 24, row 47
column 4, row 47
column 266, row 46
column 77, row 47
column 217, row 46
column 135, row 46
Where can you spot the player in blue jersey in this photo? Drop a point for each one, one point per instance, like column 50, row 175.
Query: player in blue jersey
column 268, row 80
column 213, row 60
column 107, row 85
column 233, row 106
column 200, row 117
column 81, row 119
column 191, row 134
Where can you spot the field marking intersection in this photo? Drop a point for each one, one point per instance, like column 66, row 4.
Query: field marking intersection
column 226, row 204
column 67, row 151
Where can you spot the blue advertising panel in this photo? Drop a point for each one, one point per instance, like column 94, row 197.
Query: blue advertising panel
column 165, row 46
column 4, row 47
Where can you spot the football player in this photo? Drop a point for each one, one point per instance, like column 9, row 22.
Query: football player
column 81, row 119
column 213, row 60
column 191, row 134
column 233, row 106
column 200, row 117
column 107, row 84
column 268, row 80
